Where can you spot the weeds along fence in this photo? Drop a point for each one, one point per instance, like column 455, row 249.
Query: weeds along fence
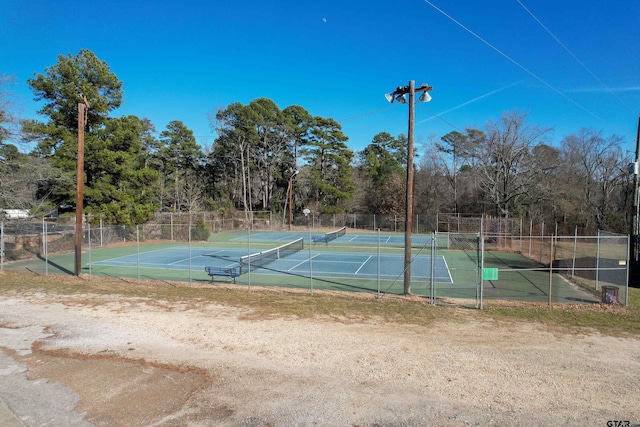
column 482, row 260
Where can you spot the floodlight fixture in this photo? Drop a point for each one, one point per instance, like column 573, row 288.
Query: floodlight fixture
column 425, row 97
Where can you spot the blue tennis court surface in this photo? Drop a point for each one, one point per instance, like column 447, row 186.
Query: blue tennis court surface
column 346, row 265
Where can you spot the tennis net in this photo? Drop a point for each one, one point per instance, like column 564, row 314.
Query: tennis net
column 332, row 235
column 335, row 234
column 263, row 258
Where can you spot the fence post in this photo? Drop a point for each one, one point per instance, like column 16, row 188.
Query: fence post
column 479, row 278
column 433, row 269
column 530, row 234
column 248, row 259
column 575, row 248
column 541, row 241
column 190, row 284
column 520, row 234
column 378, row 266
column 550, row 268
column 310, row 264
column 89, row 246
column 138, row 252
column 626, row 297
column 1, row 245
column 597, row 259
column 480, row 260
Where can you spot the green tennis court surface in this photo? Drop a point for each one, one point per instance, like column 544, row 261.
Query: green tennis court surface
column 361, row 262
column 345, row 265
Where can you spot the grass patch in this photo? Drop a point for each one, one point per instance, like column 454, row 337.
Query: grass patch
column 265, row 303
column 612, row 320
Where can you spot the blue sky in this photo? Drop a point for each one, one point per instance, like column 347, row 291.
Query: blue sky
column 568, row 64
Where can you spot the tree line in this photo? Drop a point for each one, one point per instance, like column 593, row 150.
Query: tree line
column 269, row 159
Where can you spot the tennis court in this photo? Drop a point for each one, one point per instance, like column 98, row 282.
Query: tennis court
column 339, row 265
column 340, row 237
column 442, row 267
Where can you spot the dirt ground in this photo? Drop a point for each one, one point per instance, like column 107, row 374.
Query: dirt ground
column 152, row 363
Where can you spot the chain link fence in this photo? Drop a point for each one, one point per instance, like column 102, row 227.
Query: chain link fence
column 472, row 260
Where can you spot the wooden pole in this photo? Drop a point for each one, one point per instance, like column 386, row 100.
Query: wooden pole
column 79, row 189
column 409, row 196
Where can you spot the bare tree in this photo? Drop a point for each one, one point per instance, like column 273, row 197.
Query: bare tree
column 505, row 162
column 595, row 167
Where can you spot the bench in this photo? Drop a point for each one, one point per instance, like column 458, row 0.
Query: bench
column 320, row 239
column 222, row 271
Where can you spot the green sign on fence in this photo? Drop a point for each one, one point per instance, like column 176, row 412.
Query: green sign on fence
column 489, row 274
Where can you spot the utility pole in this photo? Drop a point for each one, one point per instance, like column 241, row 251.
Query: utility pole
column 398, row 95
column 82, row 121
column 409, row 195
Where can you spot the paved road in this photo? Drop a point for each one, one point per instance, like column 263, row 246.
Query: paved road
column 25, row 402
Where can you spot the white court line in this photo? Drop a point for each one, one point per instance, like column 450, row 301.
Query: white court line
column 141, row 253
column 186, row 260
column 179, row 261
column 365, row 261
column 447, row 267
column 300, row 263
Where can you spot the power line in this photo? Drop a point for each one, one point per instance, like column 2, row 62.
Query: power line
column 574, row 56
column 516, row 63
column 478, row 98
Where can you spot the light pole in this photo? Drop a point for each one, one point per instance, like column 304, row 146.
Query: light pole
column 399, row 95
